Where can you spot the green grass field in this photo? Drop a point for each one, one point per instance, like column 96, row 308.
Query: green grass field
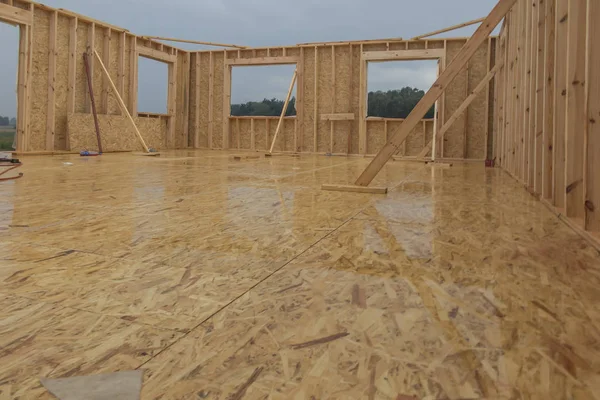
column 6, row 138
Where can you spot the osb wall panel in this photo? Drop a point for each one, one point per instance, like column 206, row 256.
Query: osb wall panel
column 325, row 97
column 39, row 87
column 182, row 88
column 415, row 141
column 477, row 123
column 113, row 69
column 245, row 133
column 393, row 128
column 98, row 74
column 355, row 98
column 127, row 70
column 116, row 132
column 81, row 78
column 61, row 84
column 343, row 97
column 375, row 136
column 453, row 144
column 260, row 134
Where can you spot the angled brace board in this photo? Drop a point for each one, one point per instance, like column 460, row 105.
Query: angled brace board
column 168, row 39
column 465, row 104
column 438, row 88
column 284, row 110
column 450, row 28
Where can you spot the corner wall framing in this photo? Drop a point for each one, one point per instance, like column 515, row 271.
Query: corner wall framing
column 548, row 105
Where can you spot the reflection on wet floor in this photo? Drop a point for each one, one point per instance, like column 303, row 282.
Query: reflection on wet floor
column 217, row 276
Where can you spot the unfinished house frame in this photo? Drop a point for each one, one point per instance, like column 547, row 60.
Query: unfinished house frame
column 323, row 255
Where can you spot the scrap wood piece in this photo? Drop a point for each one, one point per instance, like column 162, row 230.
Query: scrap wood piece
column 322, row 340
column 354, row 188
column 462, row 108
column 123, row 385
column 450, row 28
column 435, row 92
column 245, row 157
column 121, row 103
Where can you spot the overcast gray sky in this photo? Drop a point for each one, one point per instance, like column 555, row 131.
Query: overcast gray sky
column 258, row 23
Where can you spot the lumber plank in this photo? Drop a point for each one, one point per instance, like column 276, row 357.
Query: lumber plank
column 15, row 15
column 121, row 65
column 450, row 28
column 211, row 90
column 72, row 67
column 156, row 55
column 316, row 102
column 539, row 101
column 133, row 81
column 436, row 91
column 169, row 39
column 560, row 103
column 90, row 50
column 106, row 60
column 226, row 103
column 197, row 95
column 51, row 116
column 462, row 108
column 550, row 43
column 284, row 110
column 576, row 113
column 262, row 60
column 22, row 88
column 592, row 125
column 337, row 117
column 121, row 102
column 420, row 54
column 354, row 188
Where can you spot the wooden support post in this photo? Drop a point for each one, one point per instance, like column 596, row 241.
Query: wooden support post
column 592, row 125
column 363, row 105
column 487, row 99
column 29, row 72
column 576, row 114
column 465, row 54
column 121, row 102
column 466, row 113
column 550, row 44
column 90, row 50
column 465, row 104
column 333, row 99
column 316, row 104
column 106, row 60
column 211, row 90
column 52, row 53
column 72, row 68
column 197, row 110
column 539, row 100
column 252, row 135
column 172, row 104
column 352, row 110
column 133, row 76
column 300, row 102
column 226, row 103
column 23, row 81
column 284, row 110
column 121, row 65
column 560, row 90
column 186, row 99
column 532, row 79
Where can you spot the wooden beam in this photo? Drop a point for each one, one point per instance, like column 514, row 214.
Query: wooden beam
column 262, row 60
column 466, row 113
column 211, row 90
column 52, row 53
column 23, row 80
column 351, row 91
column 197, row 95
column 539, row 100
column 363, row 97
column 90, row 50
column 121, row 64
column 29, row 74
column 15, row 15
column 450, row 28
column 592, row 125
column 300, row 102
column 333, row 99
column 121, row 102
column 106, row 60
column 133, row 76
column 284, row 110
column 226, row 103
column 395, row 55
column 172, row 103
column 576, row 113
column 550, row 44
column 72, row 68
column 168, row 39
column 156, row 55
column 316, row 102
column 560, row 104
column 186, row 99
column 337, row 117
column 465, row 54
column 354, row 188
column 461, row 109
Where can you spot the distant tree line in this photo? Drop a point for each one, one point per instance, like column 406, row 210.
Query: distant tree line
column 395, row 103
column 6, row 121
column 265, row 108
column 391, row 104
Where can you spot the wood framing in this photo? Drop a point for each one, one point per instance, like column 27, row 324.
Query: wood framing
column 355, row 189
column 52, row 52
column 450, row 28
column 263, row 61
column 436, row 91
column 337, row 117
column 156, row 55
column 284, row 110
column 400, row 55
column 15, row 15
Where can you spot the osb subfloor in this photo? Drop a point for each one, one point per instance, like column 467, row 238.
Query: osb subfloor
column 231, row 279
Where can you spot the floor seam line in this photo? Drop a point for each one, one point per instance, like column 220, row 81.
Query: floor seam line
column 261, row 281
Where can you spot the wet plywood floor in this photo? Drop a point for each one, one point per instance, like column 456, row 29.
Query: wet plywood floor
column 231, row 279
